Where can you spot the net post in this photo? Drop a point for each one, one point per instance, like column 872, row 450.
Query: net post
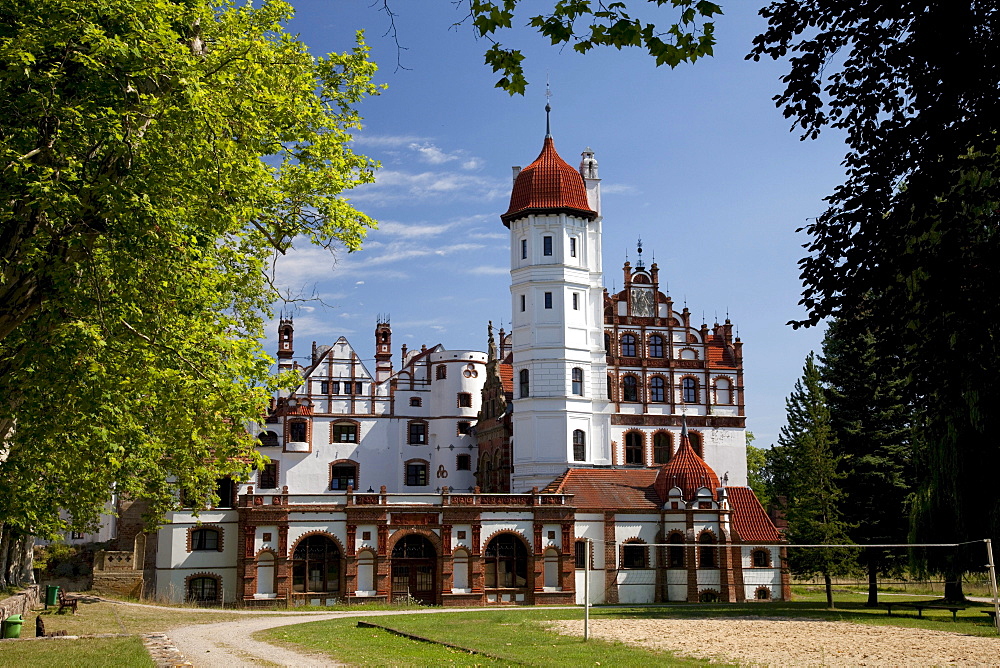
column 993, row 583
column 586, row 590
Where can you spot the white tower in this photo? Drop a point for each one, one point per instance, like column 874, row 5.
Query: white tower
column 560, row 409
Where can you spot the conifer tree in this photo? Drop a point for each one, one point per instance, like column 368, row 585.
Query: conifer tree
column 806, row 475
column 873, row 426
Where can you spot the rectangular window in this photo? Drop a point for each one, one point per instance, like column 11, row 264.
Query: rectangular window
column 580, row 554
column 77, row 535
column 358, row 388
column 416, row 475
column 342, row 477
column 463, row 428
column 463, row 463
column 524, row 249
column 576, row 301
column 464, row 400
column 546, row 245
column 522, row 303
column 548, row 300
column 417, row 433
column 345, row 433
column 324, row 387
column 335, row 387
column 633, row 556
column 268, row 478
column 572, row 246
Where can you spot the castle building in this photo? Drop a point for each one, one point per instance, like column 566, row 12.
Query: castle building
column 584, row 443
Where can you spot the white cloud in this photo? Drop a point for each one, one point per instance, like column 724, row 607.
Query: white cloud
column 618, row 189
column 389, row 141
column 359, row 283
column 488, row 271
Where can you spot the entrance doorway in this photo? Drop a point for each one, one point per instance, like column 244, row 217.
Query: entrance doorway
column 414, row 569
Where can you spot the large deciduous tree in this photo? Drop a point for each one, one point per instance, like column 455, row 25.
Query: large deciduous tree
column 155, row 156
column 806, row 475
column 913, row 230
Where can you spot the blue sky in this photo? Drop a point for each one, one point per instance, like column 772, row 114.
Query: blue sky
column 696, row 161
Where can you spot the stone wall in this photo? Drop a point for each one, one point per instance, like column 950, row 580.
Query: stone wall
column 115, row 572
column 22, row 602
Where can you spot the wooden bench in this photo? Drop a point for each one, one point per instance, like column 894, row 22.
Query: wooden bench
column 920, row 607
column 66, row 602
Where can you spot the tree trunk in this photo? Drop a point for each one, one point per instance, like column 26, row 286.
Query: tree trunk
column 4, row 539
column 872, row 584
column 953, row 588
column 829, row 589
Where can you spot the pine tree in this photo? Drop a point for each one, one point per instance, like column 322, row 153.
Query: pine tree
column 806, row 474
column 874, row 433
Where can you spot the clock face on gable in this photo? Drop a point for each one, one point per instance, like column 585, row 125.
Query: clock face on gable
column 642, row 303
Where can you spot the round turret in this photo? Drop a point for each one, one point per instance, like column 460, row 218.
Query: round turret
column 686, row 471
column 548, row 185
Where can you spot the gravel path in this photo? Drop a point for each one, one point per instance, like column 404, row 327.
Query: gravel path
column 773, row 642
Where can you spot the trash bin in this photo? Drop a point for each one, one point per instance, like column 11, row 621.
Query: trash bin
column 51, row 595
column 12, row 626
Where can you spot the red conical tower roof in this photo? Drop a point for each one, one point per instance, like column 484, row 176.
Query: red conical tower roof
column 548, row 185
column 687, row 471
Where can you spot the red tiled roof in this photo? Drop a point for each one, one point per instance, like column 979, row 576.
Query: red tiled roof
column 548, row 183
column 506, row 372
column 750, row 521
column 687, row 471
column 599, row 489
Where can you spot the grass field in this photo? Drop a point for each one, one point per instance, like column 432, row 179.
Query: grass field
column 90, row 652
column 516, row 636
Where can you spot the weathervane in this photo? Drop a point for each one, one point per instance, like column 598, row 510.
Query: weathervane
column 548, row 107
column 638, row 263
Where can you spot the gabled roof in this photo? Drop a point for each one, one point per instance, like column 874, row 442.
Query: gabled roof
column 750, row 521
column 601, row 489
column 548, row 185
column 506, row 371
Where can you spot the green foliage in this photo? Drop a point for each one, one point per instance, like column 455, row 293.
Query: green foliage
column 913, row 85
column 806, row 475
column 587, row 25
column 875, row 439
column 156, row 156
column 757, row 472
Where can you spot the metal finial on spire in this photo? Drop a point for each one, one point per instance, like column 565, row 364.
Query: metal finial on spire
column 638, row 263
column 548, row 108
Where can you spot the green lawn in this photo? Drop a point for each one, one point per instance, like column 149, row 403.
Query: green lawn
column 90, row 652
column 516, row 635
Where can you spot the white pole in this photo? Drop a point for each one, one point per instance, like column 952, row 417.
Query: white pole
column 993, row 583
column 586, row 590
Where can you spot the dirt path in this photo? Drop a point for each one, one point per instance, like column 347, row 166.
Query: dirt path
column 778, row 642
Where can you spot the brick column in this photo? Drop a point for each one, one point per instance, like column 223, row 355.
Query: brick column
column 610, row 559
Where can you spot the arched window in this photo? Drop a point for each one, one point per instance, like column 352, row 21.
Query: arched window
column 656, row 391
column 343, row 474
column 205, row 539
column 634, row 448
column 763, row 594
column 630, row 389
column 706, row 551
column 577, row 381
column 525, row 384
column 607, row 343
column 505, row 562
column 694, row 438
column 316, row 565
column 661, row 447
column 628, row 345
column 635, row 555
column 689, row 390
column 656, row 346
column 344, row 432
column 460, row 570
column 579, row 445
column 416, row 473
column 265, row 574
column 268, row 439
column 675, row 553
column 723, row 393
column 551, row 568
column 203, row 589
column 761, row 558
column 708, row 596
